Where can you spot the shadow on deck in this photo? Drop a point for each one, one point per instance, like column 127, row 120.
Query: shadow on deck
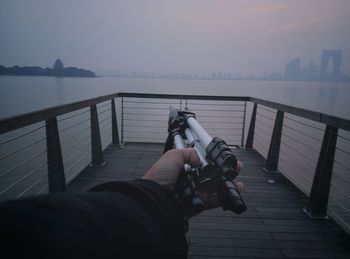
column 273, row 226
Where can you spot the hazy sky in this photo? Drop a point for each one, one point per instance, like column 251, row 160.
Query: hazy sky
column 194, row 36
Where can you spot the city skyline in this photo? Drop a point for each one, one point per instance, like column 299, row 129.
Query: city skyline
column 329, row 69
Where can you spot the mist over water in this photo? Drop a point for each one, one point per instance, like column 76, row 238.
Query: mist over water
column 25, row 94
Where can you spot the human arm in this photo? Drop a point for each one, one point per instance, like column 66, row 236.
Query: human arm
column 167, row 169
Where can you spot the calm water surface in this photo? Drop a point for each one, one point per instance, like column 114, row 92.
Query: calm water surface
column 24, row 94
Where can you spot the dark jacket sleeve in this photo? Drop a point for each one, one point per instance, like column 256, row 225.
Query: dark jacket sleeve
column 138, row 219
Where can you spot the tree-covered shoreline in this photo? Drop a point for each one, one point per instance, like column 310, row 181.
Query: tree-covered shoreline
column 58, row 70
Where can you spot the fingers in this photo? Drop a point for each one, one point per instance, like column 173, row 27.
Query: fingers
column 239, row 166
column 240, row 186
column 183, row 156
column 190, row 156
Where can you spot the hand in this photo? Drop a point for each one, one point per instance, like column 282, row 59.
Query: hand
column 166, row 171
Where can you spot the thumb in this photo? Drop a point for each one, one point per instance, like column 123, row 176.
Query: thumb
column 184, row 156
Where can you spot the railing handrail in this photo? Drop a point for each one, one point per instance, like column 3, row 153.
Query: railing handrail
column 307, row 114
column 22, row 120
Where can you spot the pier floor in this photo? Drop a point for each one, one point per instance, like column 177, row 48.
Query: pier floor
column 274, row 225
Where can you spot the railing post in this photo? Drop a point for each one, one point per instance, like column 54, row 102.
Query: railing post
column 56, row 178
column 115, row 135
column 122, row 123
column 96, row 147
column 250, row 138
column 318, row 200
column 274, row 149
column 243, row 128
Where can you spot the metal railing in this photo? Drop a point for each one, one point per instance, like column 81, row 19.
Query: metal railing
column 43, row 151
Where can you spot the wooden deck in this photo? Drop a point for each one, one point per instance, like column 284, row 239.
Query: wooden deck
column 273, row 226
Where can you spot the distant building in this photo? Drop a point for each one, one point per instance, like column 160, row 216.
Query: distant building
column 58, row 64
column 311, row 72
column 293, row 71
column 328, row 56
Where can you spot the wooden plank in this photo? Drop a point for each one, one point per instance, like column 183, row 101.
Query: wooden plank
column 233, row 252
column 316, row 253
column 263, row 243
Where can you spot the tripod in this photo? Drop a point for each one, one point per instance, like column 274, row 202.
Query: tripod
column 217, row 169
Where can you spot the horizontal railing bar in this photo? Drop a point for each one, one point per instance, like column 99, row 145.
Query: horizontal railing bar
column 72, row 166
column 22, row 148
column 24, row 134
column 213, row 110
column 104, row 120
column 340, row 136
column 75, row 144
column 266, row 117
column 106, row 129
column 103, row 129
column 74, row 135
column 267, row 133
column 146, row 126
column 299, row 153
column 303, row 133
column 217, row 122
column 338, row 217
column 257, row 141
column 262, row 137
column 35, row 183
column 292, row 177
column 102, row 106
column 340, row 177
column 184, row 97
column 42, row 190
column 314, row 127
column 220, row 116
column 139, row 131
column 298, row 162
column 295, row 171
column 104, row 111
column 137, row 137
column 264, row 123
column 301, row 143
column 153, row 108
column 342, row 150
column 209, row 128
column 151, row 102
column 149, row 114
column 80, row 150
column 74, row 125
column 24, row 162
column 140, row 108
column 341, row 205
column 231, row 135
column 73, row 116
column 22, row 178
column 341, row 164
column 267, row 110
column 125, row 119
column 217, row 104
